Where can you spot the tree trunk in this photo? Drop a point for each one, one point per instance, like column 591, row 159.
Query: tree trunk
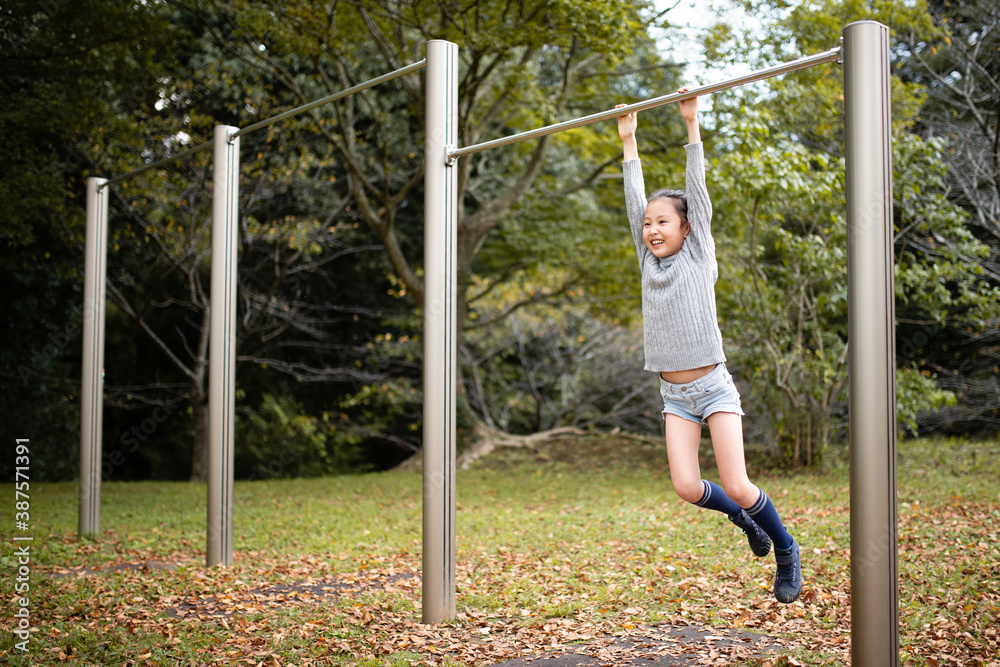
column 486, row 439
column 809, row 441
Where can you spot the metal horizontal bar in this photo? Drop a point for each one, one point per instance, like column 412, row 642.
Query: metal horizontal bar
column 274, row 119
column 768, row 72
column 335, row 96
column 158, row 163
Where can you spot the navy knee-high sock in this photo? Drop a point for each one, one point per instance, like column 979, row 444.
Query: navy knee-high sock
column 764, row 514
column 714, row 498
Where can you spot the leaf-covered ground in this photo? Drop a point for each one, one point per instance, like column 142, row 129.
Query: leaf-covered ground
column 577, row 546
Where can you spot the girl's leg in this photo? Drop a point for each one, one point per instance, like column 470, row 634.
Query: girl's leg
column 727, row 441
column 683, row 437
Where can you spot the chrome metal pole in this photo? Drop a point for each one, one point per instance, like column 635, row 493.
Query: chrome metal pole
column 222, row 347
column 92, row 391
column 768, row 72
column 871, row 334
column 440, row 348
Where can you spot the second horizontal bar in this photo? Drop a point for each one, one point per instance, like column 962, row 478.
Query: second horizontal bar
column 330, row 98
column 274, row 119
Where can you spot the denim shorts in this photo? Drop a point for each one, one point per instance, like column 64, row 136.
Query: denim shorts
column 697, row 400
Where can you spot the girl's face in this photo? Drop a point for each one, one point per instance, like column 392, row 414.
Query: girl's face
column 663, row 232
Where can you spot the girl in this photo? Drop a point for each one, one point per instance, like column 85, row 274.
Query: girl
column 673, row 239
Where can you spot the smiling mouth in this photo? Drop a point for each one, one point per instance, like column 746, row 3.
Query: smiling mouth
column 656, row 242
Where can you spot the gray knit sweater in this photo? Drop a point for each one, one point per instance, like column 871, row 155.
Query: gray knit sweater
column 679, row 325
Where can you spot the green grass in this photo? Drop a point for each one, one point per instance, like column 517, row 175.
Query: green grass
column 574, row 539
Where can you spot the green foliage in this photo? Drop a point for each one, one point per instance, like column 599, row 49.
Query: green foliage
column 916, row 392
column 808, row 104
column 358, row 164
column 69, row 73
column 782, row 290
column 937, row 275
column 552, row 365
column 39, row 361
column 331, row 219
column 956, row 65
column 373, row 425
column 783, row 285
column 779, row 197
column 280, row 439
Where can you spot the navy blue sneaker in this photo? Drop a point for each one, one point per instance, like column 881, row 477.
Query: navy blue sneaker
column 788, row 580
column 760, row 543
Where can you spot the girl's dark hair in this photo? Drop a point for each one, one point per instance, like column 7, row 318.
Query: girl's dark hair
column 679, row 200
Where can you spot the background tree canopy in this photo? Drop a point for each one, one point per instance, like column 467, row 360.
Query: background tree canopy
column 331, row 228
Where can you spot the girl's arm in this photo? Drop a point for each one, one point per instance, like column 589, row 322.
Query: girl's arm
column 626, row 130
column 635, row 188
column 699, row 203
column 689, row 112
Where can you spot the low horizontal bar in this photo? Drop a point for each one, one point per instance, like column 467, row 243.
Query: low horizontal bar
column 282, row 116
column 335, row 96
column 766, row 73
column 158, row 163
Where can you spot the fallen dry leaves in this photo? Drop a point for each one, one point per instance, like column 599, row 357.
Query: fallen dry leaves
column 374, row 612
column 625, row 602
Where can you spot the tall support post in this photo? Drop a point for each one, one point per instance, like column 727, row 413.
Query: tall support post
column 871, row 333
column 92, row 391
column 222, row 347
column 440, row 347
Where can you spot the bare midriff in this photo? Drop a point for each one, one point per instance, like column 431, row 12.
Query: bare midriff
column 680, row 377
